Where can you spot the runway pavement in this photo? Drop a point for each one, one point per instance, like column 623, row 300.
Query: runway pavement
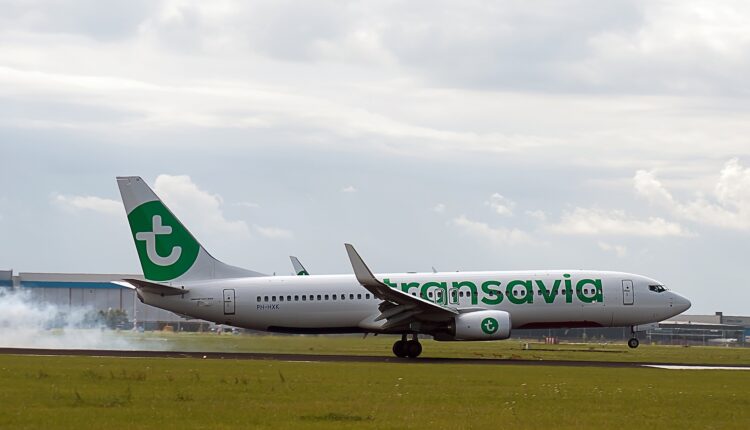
column 321, row 358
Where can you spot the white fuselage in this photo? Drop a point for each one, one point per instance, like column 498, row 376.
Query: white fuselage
column 338, row 303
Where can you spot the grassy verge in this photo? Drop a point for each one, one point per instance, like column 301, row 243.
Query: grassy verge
column 115, row 393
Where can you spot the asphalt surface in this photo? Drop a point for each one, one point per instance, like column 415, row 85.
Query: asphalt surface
column 337, row 358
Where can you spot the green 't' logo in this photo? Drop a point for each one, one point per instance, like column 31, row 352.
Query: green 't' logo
column 166, row 249
column 490, row 325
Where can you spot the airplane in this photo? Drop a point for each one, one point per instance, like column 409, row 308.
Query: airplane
column 182, row 277
column 299, row 269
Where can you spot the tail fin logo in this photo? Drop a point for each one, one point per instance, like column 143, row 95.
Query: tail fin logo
column 150, row 238
column 166, row 249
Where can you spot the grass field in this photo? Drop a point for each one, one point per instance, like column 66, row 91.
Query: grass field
column 381, row 345
column 117, row 393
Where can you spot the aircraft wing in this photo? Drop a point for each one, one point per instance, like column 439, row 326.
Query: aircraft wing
column 399, row 308
column 151, row 287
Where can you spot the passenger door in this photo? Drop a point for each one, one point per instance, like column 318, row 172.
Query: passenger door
column 627, row 292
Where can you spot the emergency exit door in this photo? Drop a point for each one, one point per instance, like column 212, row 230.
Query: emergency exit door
column 627, row 292
column 228, row 302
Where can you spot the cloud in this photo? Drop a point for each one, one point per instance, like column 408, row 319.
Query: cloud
column 501, row 205
column 594, row 221
column 273, row 232
column 497, row 236
column 581, row 45
column 250, row 205
column 349, row 189
column 619, row 250
column 538, row 214
column 439, row 208
column 729, row 208
column 89, row 203
column 196, row 207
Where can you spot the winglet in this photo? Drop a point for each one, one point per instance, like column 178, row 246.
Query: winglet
column 384, row 292
column 361, row 271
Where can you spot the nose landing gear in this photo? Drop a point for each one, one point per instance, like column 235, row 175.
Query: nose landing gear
column 407, row 348
column 633, row 341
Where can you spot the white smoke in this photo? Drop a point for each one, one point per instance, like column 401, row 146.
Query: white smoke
column 25, row 323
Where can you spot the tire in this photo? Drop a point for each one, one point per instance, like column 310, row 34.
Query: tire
column 413, row 349
column 633, row 343
column 399, row 348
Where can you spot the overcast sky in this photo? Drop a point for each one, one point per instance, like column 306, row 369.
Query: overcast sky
column 465, row 135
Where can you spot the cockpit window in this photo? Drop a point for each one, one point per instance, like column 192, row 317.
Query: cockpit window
column 657, row 288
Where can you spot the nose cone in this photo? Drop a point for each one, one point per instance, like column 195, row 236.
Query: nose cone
column 681, row 303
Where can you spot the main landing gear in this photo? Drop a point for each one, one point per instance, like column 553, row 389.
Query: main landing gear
column 633, row 341
column 407, row 348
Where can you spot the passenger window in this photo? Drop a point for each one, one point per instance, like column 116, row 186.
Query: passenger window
column 326, row 296
column 359, row 296
column 351, row 296
column 304, row 298
column 281, row 298
column 334, row 297
column 312, row 298
column 258, row 298
column 288, row 298
column 318, row 297
column 429, row 294
column 367, row 296
column 265, row 298
column 296, row 298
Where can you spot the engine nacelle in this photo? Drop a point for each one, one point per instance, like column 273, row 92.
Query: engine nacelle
column 482, row 325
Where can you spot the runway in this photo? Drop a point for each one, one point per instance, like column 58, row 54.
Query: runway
column 321, row 358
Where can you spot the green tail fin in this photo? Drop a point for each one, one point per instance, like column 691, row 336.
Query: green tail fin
column 166, row 249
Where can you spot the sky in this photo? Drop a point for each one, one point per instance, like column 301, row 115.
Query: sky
column 473, row 135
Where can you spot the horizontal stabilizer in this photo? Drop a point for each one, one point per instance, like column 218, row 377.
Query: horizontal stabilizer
column 153, row 287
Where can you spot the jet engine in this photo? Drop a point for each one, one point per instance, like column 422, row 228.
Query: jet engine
column 479, row 325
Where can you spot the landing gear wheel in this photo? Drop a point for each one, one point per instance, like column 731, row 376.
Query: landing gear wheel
column 413, row 348
column 633, row 343
column 400, row 348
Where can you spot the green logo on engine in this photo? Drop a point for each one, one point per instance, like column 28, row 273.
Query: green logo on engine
column 490, row 325
column 166, row 249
